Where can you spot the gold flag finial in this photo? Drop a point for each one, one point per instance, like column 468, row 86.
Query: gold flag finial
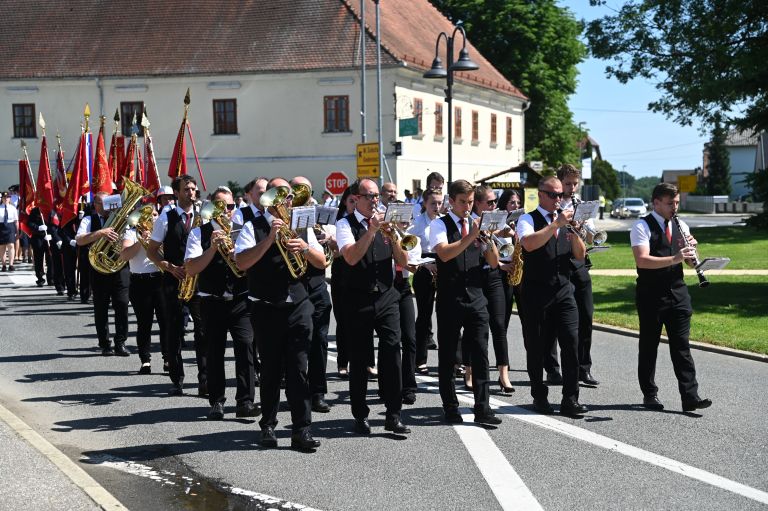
column 41, row 122
column 186, row 97
column 58, row 136
column 102, row 120
column 145, row 120
column 87, row 115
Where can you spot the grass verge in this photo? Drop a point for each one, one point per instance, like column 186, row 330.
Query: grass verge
column 732, row 311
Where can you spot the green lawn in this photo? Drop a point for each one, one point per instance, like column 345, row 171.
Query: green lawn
column 747, row 248
column 732, row 311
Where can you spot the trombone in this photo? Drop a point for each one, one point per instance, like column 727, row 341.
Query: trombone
column 505, row 249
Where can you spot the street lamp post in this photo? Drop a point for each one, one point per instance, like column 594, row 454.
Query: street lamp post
column 464, row 63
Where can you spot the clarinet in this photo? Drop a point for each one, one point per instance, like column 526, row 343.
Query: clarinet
column 703, row 282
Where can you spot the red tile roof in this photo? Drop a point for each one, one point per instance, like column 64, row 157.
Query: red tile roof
column 97, row 38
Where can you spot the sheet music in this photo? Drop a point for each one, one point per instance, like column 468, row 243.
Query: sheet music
column 514, row 216
column 112, row 202
column 400, row 213
column 493, row 220
column 713, row 263
column 599, row 248
column 586, row 210
column 326, row 215
column 302, row 217
column 418, row 261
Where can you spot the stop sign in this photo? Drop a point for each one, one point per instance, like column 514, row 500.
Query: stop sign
column 336, row 182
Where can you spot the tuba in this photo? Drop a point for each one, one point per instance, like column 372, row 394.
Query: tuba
column 225, row 248
column 189, row 284
column 276, row 198
column 104, row 255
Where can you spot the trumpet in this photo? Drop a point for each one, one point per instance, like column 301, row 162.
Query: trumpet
column 276, row 198
column 398, row 235
column 703, row 282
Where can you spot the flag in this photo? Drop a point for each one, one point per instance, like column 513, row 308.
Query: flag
column 44, row 192
column 116, row 155
column 60, row 188
column 179, row 156
column 152, row 181
column 26, row 194
column 78, row 184
column 102, row 180
column 129, row 169
column 141, row 176
column 88, row 161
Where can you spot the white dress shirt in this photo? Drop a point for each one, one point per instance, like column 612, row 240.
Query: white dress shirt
column 85, row 226
column 139, row 263
column 13, row 213
column 344, row 234
column 161, row 224
column 247, row 239
column 237, row 216
column 438, row 233
column 421, row 228
column 640, row 235
column 525, row 223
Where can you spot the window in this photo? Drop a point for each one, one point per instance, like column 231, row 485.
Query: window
column 509, row 133
column 225, row 117
column 439, row 120
column 127, row 109
column 457, row 124
column 493, row 129
column 24, row 121
column 336, row 114
column 418, row 107
column 475, row 126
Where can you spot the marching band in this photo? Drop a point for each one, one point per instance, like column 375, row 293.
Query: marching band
column 258, row 274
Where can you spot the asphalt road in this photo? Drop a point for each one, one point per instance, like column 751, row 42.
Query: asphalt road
column 693, row 220
column 152, row 451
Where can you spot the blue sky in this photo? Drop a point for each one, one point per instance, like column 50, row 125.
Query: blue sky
column 617, row 116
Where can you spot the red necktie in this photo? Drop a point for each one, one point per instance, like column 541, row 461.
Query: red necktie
column 188, row 222
column 463, row 227
column 552, row 219
column 668, row 231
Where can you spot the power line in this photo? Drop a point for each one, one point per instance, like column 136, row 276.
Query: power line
column 607, row 110
column 698, row 142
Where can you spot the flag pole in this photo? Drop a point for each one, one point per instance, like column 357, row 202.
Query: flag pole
column 30, row 177
column 61, row 152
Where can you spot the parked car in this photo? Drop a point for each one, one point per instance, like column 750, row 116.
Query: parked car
column 629, row 207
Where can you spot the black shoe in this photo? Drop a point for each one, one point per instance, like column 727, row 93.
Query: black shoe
column 422, row 371
column 11, row 268
column 120, row 350
column 397, row 427
column 176, row 390
column 572, row 409
column 409, row 398
column 71, row 298
column 166, row 366
column 202, row 389
column 247, row 410
column 652, row 403
column 362, row 427
column 343, row 374
column 304, row 441
column 489, row 418
column 107, row 352
column 268, row 438
column 59, row 292
column 588, row 379
column 256, row 379
column 319, row 405
column 146, row 368
column 84, row 300
column 505, row 389
column 555, row 378
column 543, row 407
column 453, row 417
column 459, row 371
column 40, row 283
column 697, row 404
column 217, row 412
column 432, row 346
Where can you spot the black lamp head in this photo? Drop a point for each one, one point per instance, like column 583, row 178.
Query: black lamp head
column 464, row 63
column 437, row 71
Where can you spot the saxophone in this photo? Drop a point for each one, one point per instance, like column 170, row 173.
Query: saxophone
column 515, row 275
column 225, row 248
column 104, row 255
column 188, row 285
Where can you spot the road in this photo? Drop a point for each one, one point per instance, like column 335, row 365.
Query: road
column 151, row 451
column 693, row 220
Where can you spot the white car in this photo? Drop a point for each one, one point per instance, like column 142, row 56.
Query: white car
column 631, row 207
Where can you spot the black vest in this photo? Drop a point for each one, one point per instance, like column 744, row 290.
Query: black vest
column 374, row 271
column 463, row 275
column 96, row 223
column 662, row 282
column 248, row 214
column 175, row 242
column 217, row 279
column 550, row 264
column 269, row 279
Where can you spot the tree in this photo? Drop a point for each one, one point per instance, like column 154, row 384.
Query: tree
column 626, row 180
column 707, row 58
column 604, row 175
column 536, row 46
column 719, row 177
column 643, row 188
column 758, row 183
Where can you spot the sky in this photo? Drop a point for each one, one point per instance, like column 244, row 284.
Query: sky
column 616, row 115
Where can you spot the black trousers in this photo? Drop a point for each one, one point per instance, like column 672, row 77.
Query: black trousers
column 57, row 261
column 318, row 349
column 285, row 336
column 233, row 316
column 367, row 312
column 407, row 336
column 40, row 253
column 424, row 289
column 337, row 297
column 175, row 327
column 676, row 318
column 494, row 293
column 69, row 258
column 84, row 269
column 551, row 312
column 455, row 313
column 148, row 301
column 511, row 296
column 110, row 288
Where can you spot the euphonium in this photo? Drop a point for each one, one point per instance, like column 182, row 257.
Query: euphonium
column 275, row 198
column 188, row 285
column 143, row 221
column 301, row 195
column 226, row 246
column 104, row 255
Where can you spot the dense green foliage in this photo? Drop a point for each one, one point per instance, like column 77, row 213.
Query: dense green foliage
column 758, row 182
column 707, row 58
column 604, row 175
column 718, row 181
column 536, row 46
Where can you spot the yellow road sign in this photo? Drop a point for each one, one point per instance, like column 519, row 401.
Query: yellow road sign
column 368, row 160
column 371, row 171
column 686, row 183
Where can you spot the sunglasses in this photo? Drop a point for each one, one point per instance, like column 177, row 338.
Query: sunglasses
column 231, row 207
column 491, row 202
column 552, row 195
column 370, row 196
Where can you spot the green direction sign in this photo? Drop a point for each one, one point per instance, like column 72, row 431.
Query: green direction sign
column 409, row 127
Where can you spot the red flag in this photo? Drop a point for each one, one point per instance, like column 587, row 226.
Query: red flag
column 102, row 180
column 129, row 169
column 179, row 156
column 116, row 155
column 26, row 195
column 44, row 192
column 60, row 188
column 78, row 185
column 152, row 182
column 140, row 164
